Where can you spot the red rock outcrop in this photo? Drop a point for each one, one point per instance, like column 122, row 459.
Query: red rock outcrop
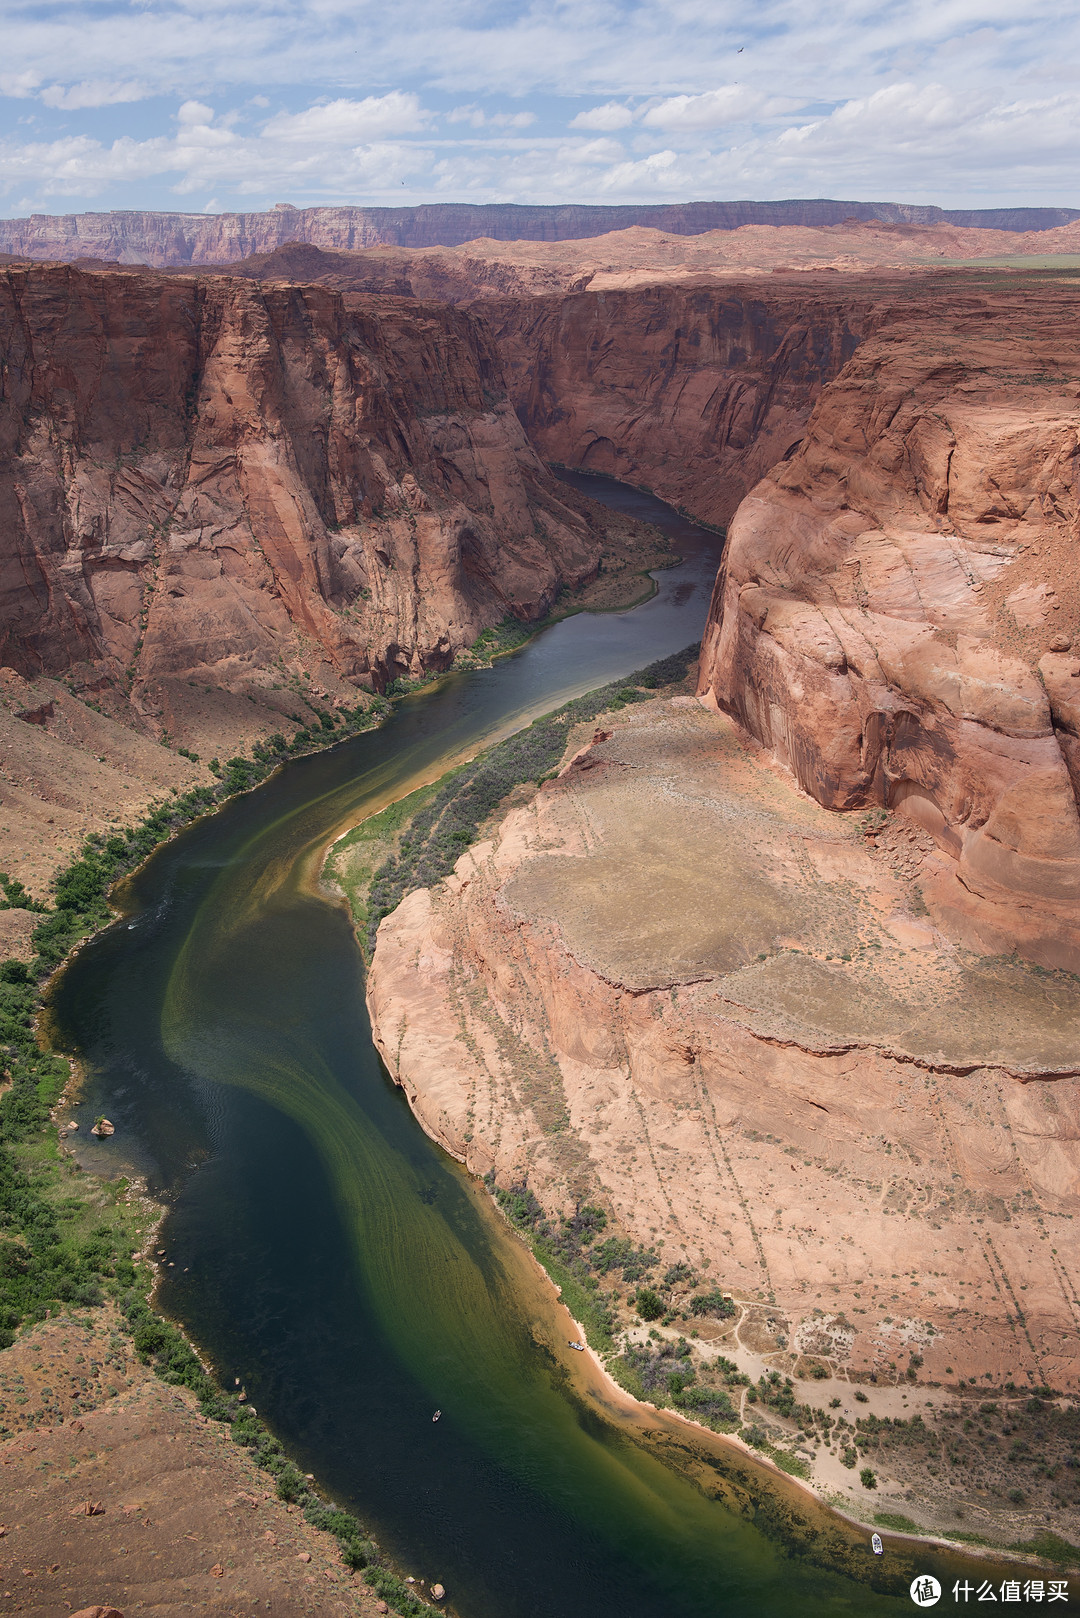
column 638, row 257
column 212, row 478
column 692, row 391
column 146, row 237
column 897, row 601
column 673, row 984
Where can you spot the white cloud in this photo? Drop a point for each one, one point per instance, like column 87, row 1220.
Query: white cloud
column 319, row 155
column 477, row 118
column 195, row 113
column 732, row 103
column 934, row 128
column 612, row 115
column 93, row 93
column 512, row 120
column 590, row 151
column 954, row 101
column 371, row 119
column 19, row 85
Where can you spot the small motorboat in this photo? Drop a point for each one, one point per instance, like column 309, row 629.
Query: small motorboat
column 436, row 1416
column 579, row 1346
column 875, row 1540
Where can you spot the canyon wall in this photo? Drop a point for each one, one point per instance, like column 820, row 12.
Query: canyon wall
column 673, row 983
column 206, row 478
column 898, row 605
column 693, row 392
column 146, row 237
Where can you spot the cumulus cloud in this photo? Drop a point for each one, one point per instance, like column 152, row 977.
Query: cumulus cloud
column 931, row 126
column 612, row 115
column 342, row 100
column 333, row 121
column 321, row 155
column 731, row 103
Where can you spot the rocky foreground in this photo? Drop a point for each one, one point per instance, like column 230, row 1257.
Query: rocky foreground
column 117, row 1494
column 673, row 985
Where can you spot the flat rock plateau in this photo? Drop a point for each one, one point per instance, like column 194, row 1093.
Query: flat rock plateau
column 782, row 971
column 673, row 984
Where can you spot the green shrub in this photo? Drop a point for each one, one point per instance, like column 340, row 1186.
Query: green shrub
column 868, row 1478
column 1051, row 1547
column 649, row 1304
column 897, row 1522
column 712, row 1303
column 711, row 1405
column 15, row 896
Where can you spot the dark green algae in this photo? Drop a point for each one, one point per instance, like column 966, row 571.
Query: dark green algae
column 331, row 1256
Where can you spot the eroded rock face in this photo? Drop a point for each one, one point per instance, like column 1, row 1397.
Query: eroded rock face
column 675, row 984
column 888, row 599
column 215, row 479
column 693, row 392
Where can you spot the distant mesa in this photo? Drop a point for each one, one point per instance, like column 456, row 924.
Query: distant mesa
column 172, row 239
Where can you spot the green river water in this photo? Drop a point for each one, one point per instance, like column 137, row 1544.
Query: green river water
column 328, row 1254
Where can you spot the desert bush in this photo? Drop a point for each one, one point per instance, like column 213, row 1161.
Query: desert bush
column 649, row 1305
column 712, row 1303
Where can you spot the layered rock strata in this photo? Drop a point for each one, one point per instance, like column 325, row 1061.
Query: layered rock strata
column 146, row 237
column 216, row 479
column 675, row 984
column 692, row 391
column 897, row 609
column 640, row 256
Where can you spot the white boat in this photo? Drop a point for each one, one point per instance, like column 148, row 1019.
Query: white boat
column 436, row 1416
column 579, row 1346
column 875, row 1540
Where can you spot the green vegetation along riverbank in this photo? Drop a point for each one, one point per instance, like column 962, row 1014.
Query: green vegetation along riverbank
column 418, row 840
column 67, row 1239
column 640, row 1313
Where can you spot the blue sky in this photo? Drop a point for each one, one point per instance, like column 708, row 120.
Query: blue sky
column 217, row 105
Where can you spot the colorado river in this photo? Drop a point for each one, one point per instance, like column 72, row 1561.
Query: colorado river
column 325, row 1252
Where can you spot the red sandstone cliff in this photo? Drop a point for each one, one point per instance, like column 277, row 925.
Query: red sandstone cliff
column 898, row 601
column 673, row 984
column 208, row 478
column 693, row 392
